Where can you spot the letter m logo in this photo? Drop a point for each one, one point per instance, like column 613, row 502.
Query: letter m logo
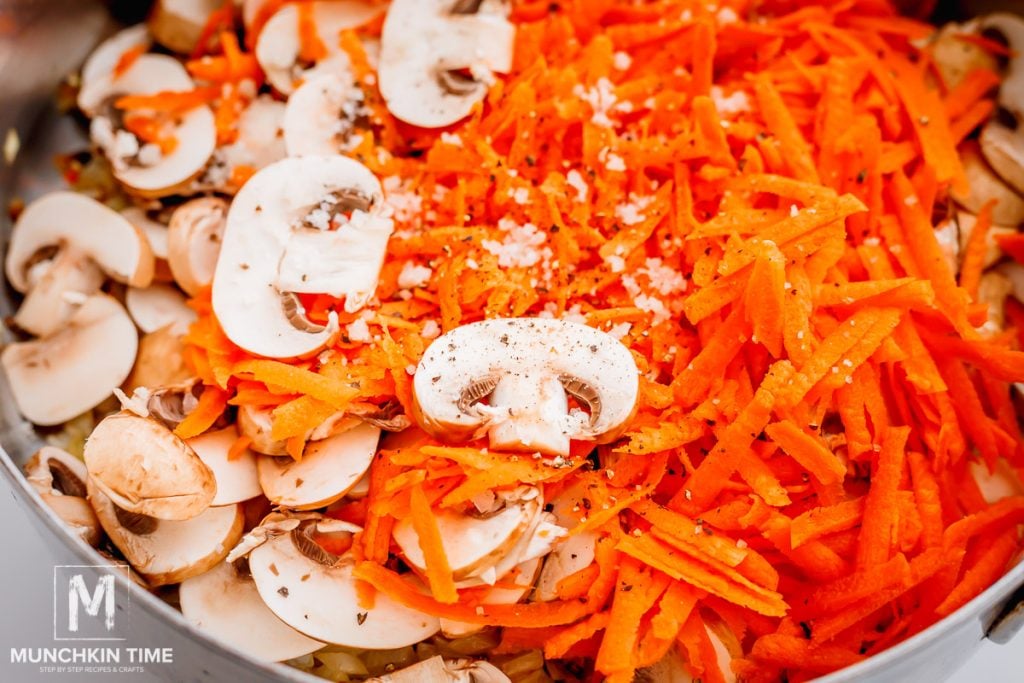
column 103, row 596
column 89, row 603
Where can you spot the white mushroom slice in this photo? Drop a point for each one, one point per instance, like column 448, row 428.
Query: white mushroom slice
column 327, row 471
column 105, row 57
column 525, row 367
column 993, row 289
column 574, row 552
column 986, row 185
column 155, row 231
column 322, row 601
column 274, row 247
column 84, row 226
column 472, row 542
column 194, row 239
column 226, row 605
column 522, row 584
column 65, row 284
column 178, row 24
column 436, row 61
column 438, row 670
column 320, row 115
column 61, row 376
column 144, row 468
column 361, row 488
column 59, row 479
column 143, row 168
column 260, row 139
column 159, row 306
column 955, row 57
column 948, row 237
column 160, row 361
column 993, row 253
column 257, row 11
column 278, row 46
column 1003, row 148
column 236, row 478
column 997, row 484
column 257, row 423
column 164, row 551
column 1014, row 274
column 536, row 542
column 1011, row 28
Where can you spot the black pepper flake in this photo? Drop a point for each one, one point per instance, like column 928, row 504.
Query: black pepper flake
column 862, row 176
column 806, row 628
column 586, row 503
column 361, row 617
column 626, row 588
column 283, row 591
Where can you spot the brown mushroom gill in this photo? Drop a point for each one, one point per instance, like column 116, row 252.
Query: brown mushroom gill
column 64, row 480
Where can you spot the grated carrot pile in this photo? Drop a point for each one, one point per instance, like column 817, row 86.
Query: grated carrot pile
column 745, row 197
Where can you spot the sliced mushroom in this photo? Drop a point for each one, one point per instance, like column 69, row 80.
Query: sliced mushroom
column 58, row 377
column 322, row 601
column 524, row 368
column 438, row 670
column 164, row 551
column 278, row 243
column 224, row 604
column 171, row 404
column 278, row 47
column 194, row 239
column 572, row 553
column 104, row 59
column 1003, row 148
column 955, row 57
column 160, row 361
column 236, row 478
column 436, row 62
column 521, row 584
column 473, row 542
column 144, row 468
column 257, row 423
column 1010, row 27
column 59, row 479
column 965, row 227
column 178, row 24
column 321, row 113
column 144, row 168
column 68, row 221
column 69, row 279
column 259, row 142
column 159, row 306
column 993, row 289
column 154, row 230
column 327, row 471
column 986, row 185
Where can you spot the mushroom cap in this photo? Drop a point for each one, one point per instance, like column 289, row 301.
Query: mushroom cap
column 228, row 607
column 195, row 131
column 278, row 45
column 423, row 41
column 165, row 551
column 160, row 361
column 315, row 115
column 69, row 219
column 472, row 361
column 964, row 225
column 236, row 478
column 194, row 239
column 323, row 601
column 986, row 185
column 155, row 231
column 265, row 258
column 572, row 553
column 74, row 370
column 1003, row 148
column 68, row 280
column 159, row 306
column 328, row 469
column 471, row 542
column 144, row 468
column 955, row 57
column 102, row 60
column 436, row 669
column 59, row 479
column 178, row 24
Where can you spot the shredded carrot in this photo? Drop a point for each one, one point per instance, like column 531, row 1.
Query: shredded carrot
column 750, row 206
column 239, row 447
column 127, row 58
column 212, row 403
